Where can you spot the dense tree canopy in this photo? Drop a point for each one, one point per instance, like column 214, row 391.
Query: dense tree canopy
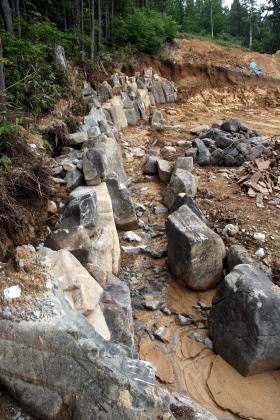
column 94, row 29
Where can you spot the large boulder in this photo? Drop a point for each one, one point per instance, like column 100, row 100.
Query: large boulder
column 195, row 252
column 105, row 250
column 123, row 208
column 74, row 239
column 116, row 111
column 112, row 156
column 94, row 166
column 81, row 211
column 60, row 368
column 116, row 307
column 79, row 288
column 184, row 198
column 244, row 321
column 181, row 182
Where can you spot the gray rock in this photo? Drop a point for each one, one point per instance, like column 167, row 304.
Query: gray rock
column 73, row 178
column 184, row 198
column 157, row 119
column 158, row 93
column 236, row 255
column 195, row 252
column 94, row 166
column 53, row 364
column 151, row 166
column 134, row 250
column 244, row 321
column 203, row 157
column 131, row 116
column 198, row 130
column 104, row 91
column 217, row 157
column 112, row 156
column 81, row 211
column 123, row 208
column 117, row 310
column 164, row 170
column 74, row 239
column 181, row 182
column 191, row 152
column 231, row 126
column 184, row 321
column 77, row 138
column 224, row 141
column 153, row 305
column 185, row 163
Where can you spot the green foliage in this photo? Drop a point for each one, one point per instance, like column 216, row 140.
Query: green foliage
column 6, row 162
column 145, row 29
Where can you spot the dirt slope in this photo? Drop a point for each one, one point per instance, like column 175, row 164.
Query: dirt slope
column 203, row 52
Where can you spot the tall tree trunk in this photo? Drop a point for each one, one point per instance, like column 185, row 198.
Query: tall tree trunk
column 2, row 80
column 92, row 33
column 77, row 14
column 65, row 15
column 18, row 17
column 112, row 18
column 82, row 30
column 7, row 16
column 250, row 33
column 99, row 24
column 211, row 18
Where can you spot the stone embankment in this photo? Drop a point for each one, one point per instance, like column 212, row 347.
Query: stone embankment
column 67, row 331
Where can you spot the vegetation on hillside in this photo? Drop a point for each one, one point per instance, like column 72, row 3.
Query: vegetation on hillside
column 104, row 29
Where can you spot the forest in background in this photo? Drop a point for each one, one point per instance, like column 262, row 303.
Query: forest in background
column 100, row 30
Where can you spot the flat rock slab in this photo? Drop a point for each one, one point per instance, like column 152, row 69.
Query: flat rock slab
column 195, row 252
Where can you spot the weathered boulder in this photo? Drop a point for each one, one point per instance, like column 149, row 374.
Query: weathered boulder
column 185, row 163
column 81, row 211
column 232, row 126
column 181, row 182
column 164, row 170
column 105, row 250
column 79, row 288
column 157, row 119
column 184, row 198
column 123, row 208
column 73, row 178
column 104, row 91
column 203, row 156
column 93, row 166
column 115, row 108
column 112, row 156
column 195, row 252
column 74, row 239
column 151, row 166
column 158, row 93
column 237, row 254
column 77, row 138
column 62, row 369
column 116, row 307
column 244, row 321
column 132, row 116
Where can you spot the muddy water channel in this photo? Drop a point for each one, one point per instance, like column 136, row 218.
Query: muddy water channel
column 171, row 331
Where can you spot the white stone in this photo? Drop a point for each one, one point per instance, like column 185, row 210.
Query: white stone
column 12, row 292
column 260, row 252
column 132, row 236
column 259, row 236
column 169, row 149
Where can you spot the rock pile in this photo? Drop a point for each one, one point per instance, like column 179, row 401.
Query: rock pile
column 228, row 144
column 73, row 356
